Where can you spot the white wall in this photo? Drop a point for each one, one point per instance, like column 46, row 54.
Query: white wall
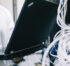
column 8, row 4
column 19, row 6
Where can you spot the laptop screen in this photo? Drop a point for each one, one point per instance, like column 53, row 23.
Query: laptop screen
column 36, row 22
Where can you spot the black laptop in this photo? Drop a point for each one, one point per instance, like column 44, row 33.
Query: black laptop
column 36, row 22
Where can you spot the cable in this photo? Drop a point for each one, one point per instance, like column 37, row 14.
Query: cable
column 63, row 36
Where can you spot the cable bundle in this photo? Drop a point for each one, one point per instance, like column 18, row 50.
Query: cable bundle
column 63, row 37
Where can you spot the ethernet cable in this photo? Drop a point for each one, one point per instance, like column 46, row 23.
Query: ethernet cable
column 63, row 36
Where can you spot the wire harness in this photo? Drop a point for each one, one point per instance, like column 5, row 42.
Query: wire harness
column 62, row 37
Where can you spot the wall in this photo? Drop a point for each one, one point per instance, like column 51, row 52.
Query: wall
column 8, row 4
column 19, row 6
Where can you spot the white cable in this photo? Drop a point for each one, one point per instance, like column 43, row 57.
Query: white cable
column 47, row 50
column 63, row 36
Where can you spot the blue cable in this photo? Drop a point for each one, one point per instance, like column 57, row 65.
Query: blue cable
column 54, row 49
column 58, row 1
